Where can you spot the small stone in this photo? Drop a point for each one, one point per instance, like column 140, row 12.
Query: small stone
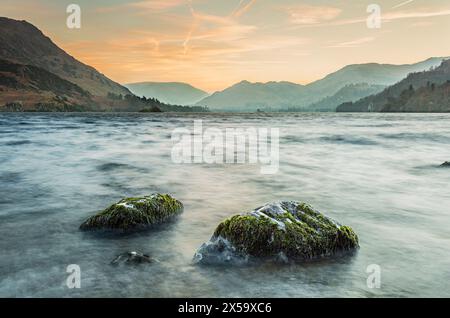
column 132, row 258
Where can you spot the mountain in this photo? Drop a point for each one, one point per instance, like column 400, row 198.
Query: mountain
column 348, row 93
column 35, row 86
column 408, row 90
column 36, row 75
column 23, row 43
column 171, row 93
column 429, row 99
column 246, row 96
column 31, row 88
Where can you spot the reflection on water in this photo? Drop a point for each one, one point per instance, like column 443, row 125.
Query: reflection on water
column 375, row 172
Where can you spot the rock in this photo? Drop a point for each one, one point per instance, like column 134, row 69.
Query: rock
column 284, row 231
column 446, row 164
column 132, row 258
column 132, row 213
column 219, row 251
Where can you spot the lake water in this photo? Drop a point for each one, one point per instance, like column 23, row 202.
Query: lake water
column 378, row 173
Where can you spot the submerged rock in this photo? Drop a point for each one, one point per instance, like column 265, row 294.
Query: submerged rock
column 285, row 231
column 131, row 213
column 132, row 258
column 446, row 164
column 219, row 251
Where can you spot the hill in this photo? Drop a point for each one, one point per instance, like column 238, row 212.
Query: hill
column 23, row 43
column 171, row 93
column 348, row 93
column 246, row 96
column 393, row 94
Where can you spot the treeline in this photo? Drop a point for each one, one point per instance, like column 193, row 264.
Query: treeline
column 431, row 98
column 144, row 104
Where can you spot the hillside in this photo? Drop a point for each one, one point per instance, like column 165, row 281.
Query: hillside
column 171, row 93
column 429, row 99
column 30, row 88
column 23, row 43
column 25, row 87
column 36, row 75
column 434, row 77
column 246, row 96
column 348, row 93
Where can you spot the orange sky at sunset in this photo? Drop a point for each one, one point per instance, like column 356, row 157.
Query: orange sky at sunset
column 213, row 44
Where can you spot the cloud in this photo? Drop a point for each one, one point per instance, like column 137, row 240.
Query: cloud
column 157, row 5
column 307, row 14
column 214, row 27
column 402, row 4
column 145, row 6
column 414, row 15
column 354, row 43
column 386, row 17
column 240, row 10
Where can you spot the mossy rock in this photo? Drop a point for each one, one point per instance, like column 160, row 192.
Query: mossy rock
column 285, row 230
column 131, row 213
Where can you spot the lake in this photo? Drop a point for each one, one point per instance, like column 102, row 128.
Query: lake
column 378, row 173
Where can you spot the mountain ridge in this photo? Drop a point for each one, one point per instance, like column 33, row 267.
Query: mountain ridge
column 401, row 90
column 22, row 42
column 247, row 96
column 177, row 93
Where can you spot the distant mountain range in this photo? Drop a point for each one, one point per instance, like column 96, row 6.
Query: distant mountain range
column 426, row 91
column 358, row 79
column 37, row 75
column 171, row 92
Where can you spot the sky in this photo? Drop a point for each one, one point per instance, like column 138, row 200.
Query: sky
column 213, row 44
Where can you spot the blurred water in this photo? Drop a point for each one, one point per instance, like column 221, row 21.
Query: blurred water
column 378, row 173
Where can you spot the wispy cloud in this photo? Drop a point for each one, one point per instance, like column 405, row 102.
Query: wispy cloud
column 354, row 43
column 222, row 26
column 385, row 17
column 242, row 8
column 414, row 15
column 402, row 4
column 157, row 5
column 308, row 14
column 145, row 6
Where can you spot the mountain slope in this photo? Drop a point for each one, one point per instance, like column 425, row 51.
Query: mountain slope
column 26, row 87
column 247, row 96
column 348, row 93
column 172, row 93
column 31, row 88
column 429, row 99
column 23, row 43
column 378, row 102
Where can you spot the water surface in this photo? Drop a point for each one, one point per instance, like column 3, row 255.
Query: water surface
column 378, row 173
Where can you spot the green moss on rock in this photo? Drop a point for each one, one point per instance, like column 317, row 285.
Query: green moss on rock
column 290, row 229
column 130, row 213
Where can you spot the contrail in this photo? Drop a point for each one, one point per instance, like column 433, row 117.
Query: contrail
column 402, row 4
column 237, row 7
column 192, row 29
column 240, row 11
